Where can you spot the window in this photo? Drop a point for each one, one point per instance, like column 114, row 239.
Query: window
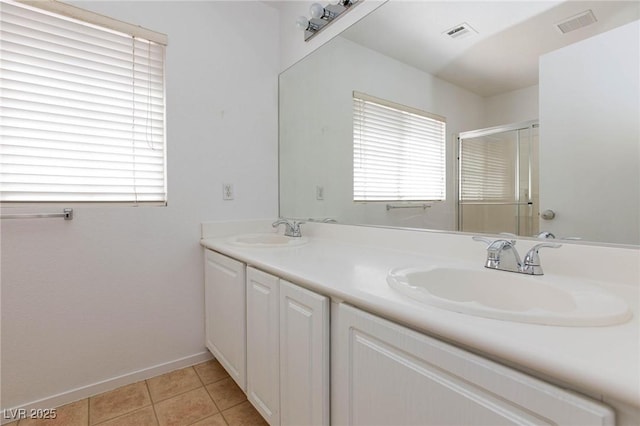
column 398, row 152
column 83, row 109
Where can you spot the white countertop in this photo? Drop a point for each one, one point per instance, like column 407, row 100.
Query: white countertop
column 599, row 361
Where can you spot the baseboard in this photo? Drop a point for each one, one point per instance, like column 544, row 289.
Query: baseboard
column 7, row 415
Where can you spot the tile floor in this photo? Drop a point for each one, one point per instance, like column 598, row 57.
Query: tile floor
column 202, row 395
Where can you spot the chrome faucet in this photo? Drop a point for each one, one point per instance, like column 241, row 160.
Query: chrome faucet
column 548, row 235
column 503, row 256
column 544, row 235
column 291, row 229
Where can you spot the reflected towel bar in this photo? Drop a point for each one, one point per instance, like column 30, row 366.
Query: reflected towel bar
column 495, row 203
column 408, row 206
column 67, row 215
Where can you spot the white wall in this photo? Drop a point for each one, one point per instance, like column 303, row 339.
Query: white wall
column 590, row 121
column 316, row 131
column 119, row 290
column 511, row 107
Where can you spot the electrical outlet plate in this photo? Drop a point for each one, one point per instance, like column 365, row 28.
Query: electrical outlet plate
column 227, row 191
column 319, row 192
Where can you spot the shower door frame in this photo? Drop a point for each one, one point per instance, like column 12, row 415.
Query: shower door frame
column 523, row 125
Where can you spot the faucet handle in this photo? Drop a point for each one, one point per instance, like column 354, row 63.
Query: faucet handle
column 493, row 245
column 485, row 240
column 542, row 245
column 531, row 262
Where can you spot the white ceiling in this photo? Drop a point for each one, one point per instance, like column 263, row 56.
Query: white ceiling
column 502, row 57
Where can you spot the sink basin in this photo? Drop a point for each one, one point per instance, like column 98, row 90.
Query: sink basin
column 266, row 240
column 550, row 300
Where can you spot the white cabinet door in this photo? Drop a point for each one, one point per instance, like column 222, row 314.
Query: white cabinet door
column 263, row 365
column 385, row 374
column 225, row 318
column 304, row 356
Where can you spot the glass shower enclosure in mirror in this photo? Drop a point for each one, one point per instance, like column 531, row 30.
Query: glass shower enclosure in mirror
column 498, row 180
column 582, row 88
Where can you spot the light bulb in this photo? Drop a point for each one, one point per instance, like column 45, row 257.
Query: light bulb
column 316, row 10
column 302, row 23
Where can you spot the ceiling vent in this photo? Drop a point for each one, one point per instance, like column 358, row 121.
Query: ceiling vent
column 578, row 21
column 460, row 31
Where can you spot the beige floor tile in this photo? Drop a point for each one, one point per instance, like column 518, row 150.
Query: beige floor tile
column 185, row 408
column 225, row 393
column 210, row 371
column 243, row 415
column 74, row 414
column 118, row 402
column 173, row 383
column 142, row 417
column 216, row 420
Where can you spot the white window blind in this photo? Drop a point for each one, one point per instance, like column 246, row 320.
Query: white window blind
column 398, row 152
column 487, row 169
column 82, row 115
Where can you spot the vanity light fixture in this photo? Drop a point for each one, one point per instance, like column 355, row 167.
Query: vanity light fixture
column 322, row 16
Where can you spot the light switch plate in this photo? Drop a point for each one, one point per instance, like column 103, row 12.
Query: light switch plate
column 227, row 191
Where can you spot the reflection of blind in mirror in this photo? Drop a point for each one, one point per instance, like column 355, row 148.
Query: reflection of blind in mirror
column 487, row 169
column 398, row 152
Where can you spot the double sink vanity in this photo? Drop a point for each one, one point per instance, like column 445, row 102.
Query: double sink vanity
column 354, row 325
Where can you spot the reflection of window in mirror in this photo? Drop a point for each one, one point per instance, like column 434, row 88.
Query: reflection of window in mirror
column 398, row 152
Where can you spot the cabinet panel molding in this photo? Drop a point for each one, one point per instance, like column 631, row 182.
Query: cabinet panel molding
column 225, row 315
column 383, row 373
column 304, row 356
column 263, row 344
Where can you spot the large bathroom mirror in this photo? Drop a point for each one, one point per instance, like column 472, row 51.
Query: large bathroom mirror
column 556, row 83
